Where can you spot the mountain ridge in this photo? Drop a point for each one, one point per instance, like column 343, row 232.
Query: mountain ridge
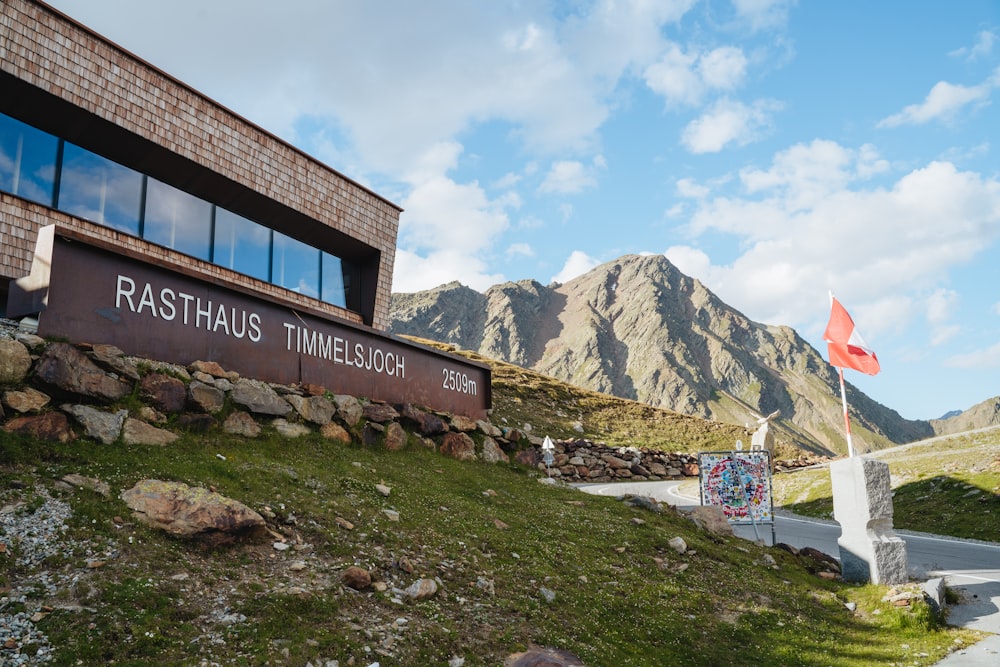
column 639, row 328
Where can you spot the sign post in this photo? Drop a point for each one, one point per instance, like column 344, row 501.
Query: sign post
column 740, row 483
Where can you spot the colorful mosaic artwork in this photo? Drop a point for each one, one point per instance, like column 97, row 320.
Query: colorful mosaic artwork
column 739, row 482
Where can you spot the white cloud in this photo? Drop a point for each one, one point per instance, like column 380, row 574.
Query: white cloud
column 520, row 250
column 728, row 121
column 688, row 188
column 805, row 233
column 690, row 261
column 577, row 264
column 983, row 47
column 686, row 78
column 978, row 360
column 443, row 231
column 944, row 102
column 763, row 14
column 567, row 177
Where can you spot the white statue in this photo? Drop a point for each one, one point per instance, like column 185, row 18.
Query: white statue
column 763, row 439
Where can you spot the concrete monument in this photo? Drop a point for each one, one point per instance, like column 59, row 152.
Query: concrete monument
column 862, row 505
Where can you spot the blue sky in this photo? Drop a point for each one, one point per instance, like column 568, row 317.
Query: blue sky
column 775, row 150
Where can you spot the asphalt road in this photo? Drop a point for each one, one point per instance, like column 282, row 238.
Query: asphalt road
column 973, row 568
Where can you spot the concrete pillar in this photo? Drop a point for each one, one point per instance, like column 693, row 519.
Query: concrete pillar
column 862, row 505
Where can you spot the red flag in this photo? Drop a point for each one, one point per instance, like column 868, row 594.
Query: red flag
column 845, row 346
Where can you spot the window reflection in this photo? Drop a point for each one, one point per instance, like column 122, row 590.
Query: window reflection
column 336, row 281
column 27, row 161
column 97, row 189
column 177, row 220
column 295, row 265
column 241, row 245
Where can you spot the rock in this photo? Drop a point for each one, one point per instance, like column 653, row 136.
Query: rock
column 357, row 578
column 395, row 437
column 314, row 409
column 383, row 490
column 187, row 511
column 422, row 589
column 392, row 515
column 427, row 423
column 333, row 431
column 151, row 415
column 547, row 594
column 26, row 400
column 690, row 469
column 542, row 657
column 380, row 413
column 95, row 485
column 372, row 434
column 210, row 368
column 492, row 452
column 165, row 393
column 489, row 429
column 259, row 398
column 112, row 358
column 678, row 544
column 934, row 593
column 712, row 518
column 15, row 361
column 69, row 370
column 820, row 558
column 197, row 422
column 289, row 429
column 458, row 446
column 105, row 427
column 138, row 432
column 463, row 423
column 349, row 409
column 344, row 523
column 206, row 397
column 241, row 423
column 51, row 426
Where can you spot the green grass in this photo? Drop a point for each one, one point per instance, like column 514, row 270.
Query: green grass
column 492, row 534
column 950, row 486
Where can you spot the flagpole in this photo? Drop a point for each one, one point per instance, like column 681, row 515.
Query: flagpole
column 847, row 420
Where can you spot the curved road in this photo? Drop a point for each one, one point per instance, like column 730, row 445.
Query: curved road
column 972, row 567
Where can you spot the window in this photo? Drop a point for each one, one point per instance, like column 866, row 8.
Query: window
column 99, row 190
column 242, row 245
column 295, row 266
column 27, row 161
column 336, row 282
column 92, row 187
column 177, row 220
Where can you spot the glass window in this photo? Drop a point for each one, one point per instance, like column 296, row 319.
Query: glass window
column 97, row 189
column 295, row 266
column 241, row 245
column 27, row 161
column 336, row 281
column 177, row 220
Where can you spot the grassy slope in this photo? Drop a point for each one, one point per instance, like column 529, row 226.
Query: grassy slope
column 613, row 604
column 493, row 535
column 948, row 486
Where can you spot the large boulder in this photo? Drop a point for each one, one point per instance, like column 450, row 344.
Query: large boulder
column 458, row 446
column 206, row 397
column 187, row 511
column 51, row 426
column 138, row 432
column 259, row 398
column 66, row 368
column 165, row 393
column 314, row 409
column 15, row 361
column 102, row 426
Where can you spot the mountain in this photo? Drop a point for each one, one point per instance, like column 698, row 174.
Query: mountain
column 978, row 416
column 640, row 329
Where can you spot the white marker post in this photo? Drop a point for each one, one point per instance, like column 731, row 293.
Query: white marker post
column 548, row 454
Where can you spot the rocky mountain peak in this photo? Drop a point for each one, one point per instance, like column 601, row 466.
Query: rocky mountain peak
column 638, row 328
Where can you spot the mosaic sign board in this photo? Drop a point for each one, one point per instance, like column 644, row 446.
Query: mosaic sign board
column 739, row 482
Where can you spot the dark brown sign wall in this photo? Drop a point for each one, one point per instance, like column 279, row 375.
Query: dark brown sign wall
column 99, row 296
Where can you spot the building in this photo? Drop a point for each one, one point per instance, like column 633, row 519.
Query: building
column 118, row 157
